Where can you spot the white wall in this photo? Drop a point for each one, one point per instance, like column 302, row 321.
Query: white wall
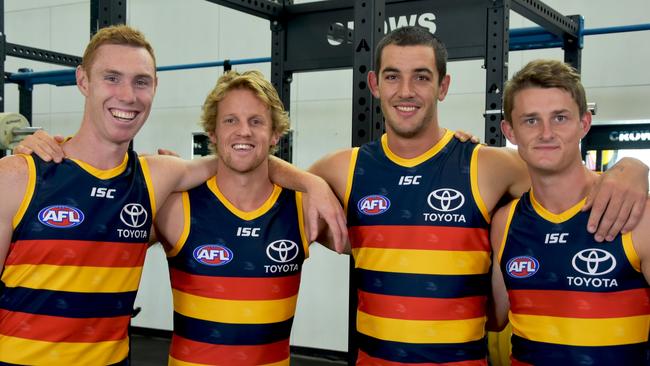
column 188, row 31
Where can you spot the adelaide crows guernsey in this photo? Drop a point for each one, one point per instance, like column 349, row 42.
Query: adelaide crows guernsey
column 235, row 277
column 418, row 229
column 74, row 263
column 573, row 301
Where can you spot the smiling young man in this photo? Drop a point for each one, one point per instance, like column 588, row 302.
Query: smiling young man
column 236, row 244
column 73, row 236
column 419, row 204
column 571, row 300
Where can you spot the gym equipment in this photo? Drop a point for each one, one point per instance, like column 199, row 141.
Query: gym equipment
column 14, row 127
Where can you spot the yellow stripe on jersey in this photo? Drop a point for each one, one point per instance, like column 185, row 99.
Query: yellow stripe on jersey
column 72, row 278
column 22, row 351
column 176, row 362
column 103, row 174
column 421, row 331
column 630, row 252
column 348, row 185
column 409, row 163
column 473, row 177
column 416, row 261
column 580, row 331
column 556, row 218
column 511, row 213
column 301, row 224
column 185, row 200
column 29, row 190
column 234, row 311
column 147, row 179
column 244, row 215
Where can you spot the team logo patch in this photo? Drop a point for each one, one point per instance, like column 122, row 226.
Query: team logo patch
column 61, row 216
column 594, row 262
column 445, row 200
column 133, row 215
column 213, row 254
column 282, row 251
column 522, row 267
column 374, row 204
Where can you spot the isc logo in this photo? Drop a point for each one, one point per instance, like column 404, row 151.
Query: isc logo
column 555, row 238
column 522, row 267
column 60, row 216
column 102, row 192
column 373, row 205
column 213, row 254
column 248, row 231
column 407, row 180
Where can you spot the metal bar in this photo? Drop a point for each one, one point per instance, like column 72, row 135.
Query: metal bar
column 106, row 12
column 572, row 46
column 546, row 17
column 496, row 67
column 265, row 9
column 38, row 54
column 281, row 79
column 67, row 76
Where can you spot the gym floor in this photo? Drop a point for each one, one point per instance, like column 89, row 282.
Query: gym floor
column 152, row 351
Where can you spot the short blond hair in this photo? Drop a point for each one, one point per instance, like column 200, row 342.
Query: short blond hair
column 118, row 35
column 545, row 74
column 255, row 82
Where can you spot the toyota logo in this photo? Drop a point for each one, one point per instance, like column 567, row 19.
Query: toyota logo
column 282, row 251
column 133, row 215
column 593, row 262
column 445, row 200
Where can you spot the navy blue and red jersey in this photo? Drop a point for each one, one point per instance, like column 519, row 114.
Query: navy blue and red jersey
column 235, row 277
column 418, row 229
column 573, row 301
column 74, row 263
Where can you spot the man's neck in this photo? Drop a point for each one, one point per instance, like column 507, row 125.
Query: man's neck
column 90, row 149
column 412, row 147
column 561, row 191
column 246, row 191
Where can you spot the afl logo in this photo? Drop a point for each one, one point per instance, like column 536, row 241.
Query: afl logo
column 60, row 216
column 593, row 262
column 522, row 267
column 374, row 204
column 282, row 251
column 213, row 254
column 445, row 200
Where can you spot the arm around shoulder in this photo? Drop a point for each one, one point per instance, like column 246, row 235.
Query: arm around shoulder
column 498, row 304
column 14, row 179
column 641, row 241
column 501, row 172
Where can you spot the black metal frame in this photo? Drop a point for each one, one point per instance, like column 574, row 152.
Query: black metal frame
column 316, row 36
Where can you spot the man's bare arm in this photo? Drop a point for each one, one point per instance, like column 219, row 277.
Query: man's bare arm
column 498, row 304
column 13, row 185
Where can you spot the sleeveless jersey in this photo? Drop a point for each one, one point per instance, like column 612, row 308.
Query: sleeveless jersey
column 235, row 277
column 418, row 230
column 573, row 301
column 74, row 263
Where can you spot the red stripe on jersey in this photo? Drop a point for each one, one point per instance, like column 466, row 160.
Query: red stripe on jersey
column 363, row 359
column 419, row 237
column 76, row 253
column 420, row 308
column 218, row 354
column 578, row 304
column 515, row 362
column 57, row 329
column 236, row 288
